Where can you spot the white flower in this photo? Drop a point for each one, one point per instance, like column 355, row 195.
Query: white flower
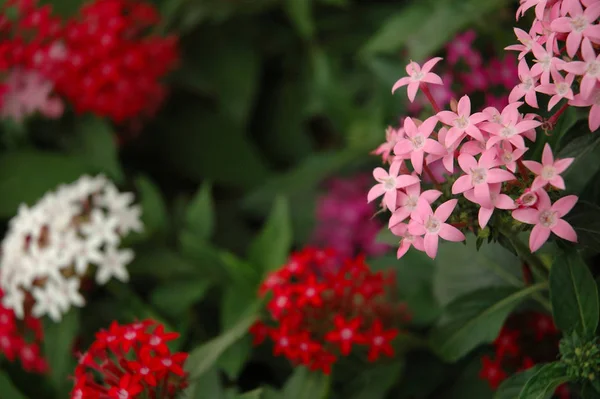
column 101, row 228
column 114, row 264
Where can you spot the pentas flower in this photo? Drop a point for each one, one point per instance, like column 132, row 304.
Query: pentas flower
column 508, row 156
column 417, row 142
column 319, row 313
column 526, row 40
column 408, row 200
column 539, row 5
column 548, row 172
column 589, row 68
column 407, row 240
column 578, row 23
column 545, row 60
column 462, row 122
column 389, row 183
column 418, row 75
column 49, row 247
column 560, row 88
column 547, row 218
column 392, row 136
column 448, row 156
column 497, row 200
column 527, row 87
column 131, row 361
column 511, row 128
column 593, row 101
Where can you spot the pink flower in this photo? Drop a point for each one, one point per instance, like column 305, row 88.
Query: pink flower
column 391, row 138
column 526, row 40
column 479, row 175
column 528, row 199
column 416, row 75
column 589, row 68
column 408, row 240
column 539, row 5
column 549, row 170
column 559, row 89
column 578, row 25
column 462, row 122
column 448, row 156
column 417, row 142
column 408, row 200
column 546, row 62
column 389, row 183
column 432, row 225
column 526, row 87
column 594, row 102
column 510, row 128
column 497, row 200
column 508, row 156
column 547, row 219
column 460, row 47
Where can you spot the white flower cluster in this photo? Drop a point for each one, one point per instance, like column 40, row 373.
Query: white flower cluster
column 49, row 246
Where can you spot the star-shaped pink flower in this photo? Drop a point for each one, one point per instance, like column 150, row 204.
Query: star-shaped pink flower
column 593, row 101
column 389, row 183
column 526, row 88
column 417, row 142
column 391, row 138
column 560, row 88
column 578, row 24
column 526, row 42
column 416, row 75
column 546, row 62
column 548, row 172
column 479, row 175
column 448, row 156
column 433, row 225
column 508, row 155
column 589, row 68
column 539, row 5
column 462, row 122
column 547, row 219
column 497, row 200
column 511, row 127
column 408, row 240
column 408, row 200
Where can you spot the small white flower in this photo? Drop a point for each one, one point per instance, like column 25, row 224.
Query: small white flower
column 14, row 299
column 101, row 228
column 48, row 301
column 86, row 252
column 113, row 265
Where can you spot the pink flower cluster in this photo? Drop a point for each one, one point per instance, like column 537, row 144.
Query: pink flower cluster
column 344, row 220
column 488, row 146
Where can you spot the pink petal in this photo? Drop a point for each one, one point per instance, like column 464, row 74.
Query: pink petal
column 380, row 174
column 587, row 51
column 402, row 147
column 484, row 216
column 399, row 229
column 431, row 245
column 562, row 164
column 474, row 132
column 503, row 201
column 538, row 183
column 517, row 141
column 428, row 125
column 533, row 166
column 516, row 94
column 543, row 200
column 547, row 158
column 431, row 195
column 470, row 195
column 482, row 195
column 461, row 185
column 573, row 42
column 412, row 67
column 448, row 162
column 403, row 248
column 464, row 106
column 389, row 199
column 587, row 85
column 411, row 90
column 410, row 127
column 499, row 176
column 557, row 182
column 561, row 24
column 432, row 78
column 401, row 82
column 453, row 136
column 539, row 235
column 443, row 212
column 451, row 233
column 406, row 180
column 395, row 168
column 531, row 99
column 564, row 230
column 555, row 99
column 430, row 64
column 576, row 67
column 447, row 117
column 564, row 205
column 526, row 215
column 416, row 229
column 375, row 191
column 433, row 147
column 487, row 159
column 416, row 157
column 467, row 162
column 526, row 125
column 418, row 243
column 398, row 216
column 413, row 190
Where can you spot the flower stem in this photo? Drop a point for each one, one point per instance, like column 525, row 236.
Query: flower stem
column 554, row 118
column 524, row 252
column 425, row 88
column 431, row 176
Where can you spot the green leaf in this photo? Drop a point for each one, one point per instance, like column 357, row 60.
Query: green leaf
column 467, row 384
column 58, row 344
column 25, row 176
column 8, row 389
column 207, row 386
column 476, row 318
column 272, row 246
column 512, row 387
column 98, row 147
column 202, row 358
column 586, row 151
column 164, row 264
column 255, row 394
column 200, row 213
column 154, row 211
column 174, row 298
column 589, row 392
column 545, row 381
column 304, row 384
column 574, row 295
column 375, row 382
column 300, row 12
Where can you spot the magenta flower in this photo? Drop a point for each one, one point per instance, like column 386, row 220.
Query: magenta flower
column 546, row 62
column 408, row 200
column 510, row 128
column 547, row 218
column 578, row 24
column 526, row 40
column 462, row 122
column 589, row 68
column 508, row 155
column 416, row 75
column 389, row 183
column 417, row 142
column 548, row 172
column 479, row 175
column 432, row 225
column 497, row 200
column 560, row 88
column 460, row 47
column 504, row 72
column 526, row 88
column 593, row 101
column 408, row 240
column 475, row 80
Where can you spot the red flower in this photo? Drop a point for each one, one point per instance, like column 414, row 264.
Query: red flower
column 158, row 339
column 506, row 343
column 260, row 331
column 543, row 325
column 492, row 372
column 379, row 341
column 129, row 387
column 346, row 333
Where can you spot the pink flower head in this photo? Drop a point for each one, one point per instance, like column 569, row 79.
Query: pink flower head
column 391, row 138
column 497, row 200
column 548, row 172
column 432, row 225
column 546, row 62
column 589, row 68
column 547, row 218
column 539, row 5
column 417, row 142
column 560, row 88
column 448, row 156
column 462, row 122
column 479, row 175
column 593, row 101
column 578, row 24
column 408, row 200
column 389, row 183
column 508, row 155
column 526, row 88
column 526, row 40
column 460, row 47
column 416, row 75
column 510, row 128
column 408, row 240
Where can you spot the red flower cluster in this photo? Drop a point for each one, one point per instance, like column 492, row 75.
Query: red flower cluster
column 525, row 340
column 321, row 309
column 132, row 361
column 104, row 60
column 21, row 339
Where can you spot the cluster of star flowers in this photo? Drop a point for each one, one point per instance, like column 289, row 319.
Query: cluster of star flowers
column 322, row 309
column 563, row 41
column 131, row 361
column 470, row 72
column 104, row 60
column 344, row 220
column 21, row 339
column 526, row 339
column 49, row 247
